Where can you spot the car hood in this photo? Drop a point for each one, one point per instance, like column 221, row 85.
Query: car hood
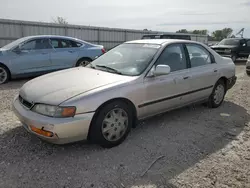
column 223, row 46
column 55, row 88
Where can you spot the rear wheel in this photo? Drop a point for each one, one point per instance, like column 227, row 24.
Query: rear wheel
column 218, row 94
column 112, row 124
column 83, row 62
column 4, row 74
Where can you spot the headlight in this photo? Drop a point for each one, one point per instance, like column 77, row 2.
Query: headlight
column 54, row 111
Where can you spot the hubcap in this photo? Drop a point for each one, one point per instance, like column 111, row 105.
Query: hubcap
column 3, row 75
column 219, row 94
column 83, row 63
column 115, row 124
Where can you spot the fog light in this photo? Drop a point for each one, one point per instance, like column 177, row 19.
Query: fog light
column 41, row 132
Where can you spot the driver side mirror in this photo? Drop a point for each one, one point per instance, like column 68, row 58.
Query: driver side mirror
column 161, row 70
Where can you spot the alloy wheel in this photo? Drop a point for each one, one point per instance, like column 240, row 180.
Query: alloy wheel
column 3, row 75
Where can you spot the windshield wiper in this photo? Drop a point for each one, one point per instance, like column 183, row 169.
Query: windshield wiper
column 109, row 68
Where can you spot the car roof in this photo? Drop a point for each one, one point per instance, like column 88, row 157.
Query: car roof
column 52, row 36
column 158, row 41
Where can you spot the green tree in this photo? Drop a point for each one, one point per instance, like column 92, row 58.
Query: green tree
column 182, row 31
column 221, row 34
column 200, row 32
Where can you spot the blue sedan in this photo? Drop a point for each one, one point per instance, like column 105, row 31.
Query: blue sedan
column 36, row 55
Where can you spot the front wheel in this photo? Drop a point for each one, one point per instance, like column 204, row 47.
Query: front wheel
column 111, row 125
column 218, row 94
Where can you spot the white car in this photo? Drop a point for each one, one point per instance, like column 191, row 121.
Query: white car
column 133, row 81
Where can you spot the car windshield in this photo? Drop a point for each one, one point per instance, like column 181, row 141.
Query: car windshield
column 14, row 43
column 233, row 42
column 127, row 59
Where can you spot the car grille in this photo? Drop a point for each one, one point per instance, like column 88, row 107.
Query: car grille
column 219, row 50
column 25, row 103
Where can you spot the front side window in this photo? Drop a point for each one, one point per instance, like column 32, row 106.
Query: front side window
column 29, row 45
column 36, row 44
column 126, row 59
column 174, row 57
column 198, row 55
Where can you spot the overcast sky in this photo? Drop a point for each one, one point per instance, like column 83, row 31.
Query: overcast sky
column 163, row 15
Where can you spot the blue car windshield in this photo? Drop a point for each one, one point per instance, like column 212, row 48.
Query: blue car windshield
column 127, row 59
column 14, row 43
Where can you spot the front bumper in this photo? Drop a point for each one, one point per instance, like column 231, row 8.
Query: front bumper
column 65, row 130
column 231, row 82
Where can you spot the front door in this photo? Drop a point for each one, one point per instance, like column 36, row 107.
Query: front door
column 167, row 91
column 33, row 56
column 203, row 72
column 64, row 54
column 246, row 49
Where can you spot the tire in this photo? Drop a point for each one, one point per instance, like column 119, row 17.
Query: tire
column 4, row 75
column 109, row 132
column 248, row 73
column 83, row 62
column 234, row 57
column 218, row 94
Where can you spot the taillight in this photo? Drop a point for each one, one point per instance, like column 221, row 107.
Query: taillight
column 103, row 51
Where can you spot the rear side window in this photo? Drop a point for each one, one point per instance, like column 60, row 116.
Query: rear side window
column 198, row 55
column 174, row 57
column 64, row 43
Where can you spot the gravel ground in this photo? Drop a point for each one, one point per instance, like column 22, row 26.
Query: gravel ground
column 199, row 147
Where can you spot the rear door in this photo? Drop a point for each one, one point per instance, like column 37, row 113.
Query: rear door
column 34, row 56
column 167, row 91
column 203, row 72
column 64, row 54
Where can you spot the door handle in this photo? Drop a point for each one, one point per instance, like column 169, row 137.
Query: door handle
column 186, row 77
column 44, row 53
column 71, row 51
column 215, row 70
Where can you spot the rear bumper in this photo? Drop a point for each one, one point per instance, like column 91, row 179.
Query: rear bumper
column 231, row 82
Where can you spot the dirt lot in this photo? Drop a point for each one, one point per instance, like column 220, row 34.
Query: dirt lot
column 200, row 147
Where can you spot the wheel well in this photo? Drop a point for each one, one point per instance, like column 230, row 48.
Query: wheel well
column 3, row 65
column 224, row 79
column 127, row 101
column 83, row 58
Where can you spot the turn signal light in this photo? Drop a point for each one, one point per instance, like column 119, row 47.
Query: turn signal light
column 41, row 132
